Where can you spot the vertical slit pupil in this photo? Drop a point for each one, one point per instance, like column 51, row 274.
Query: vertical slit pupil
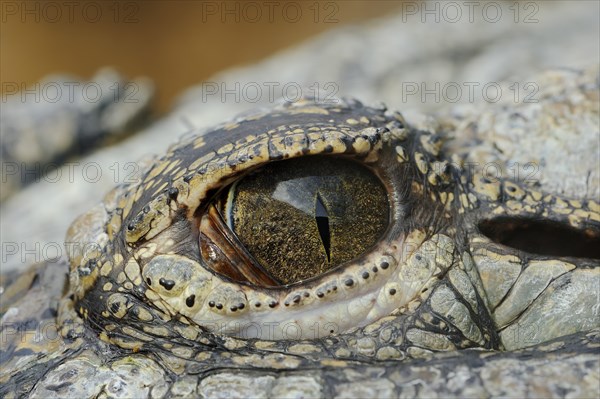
column 322, row 219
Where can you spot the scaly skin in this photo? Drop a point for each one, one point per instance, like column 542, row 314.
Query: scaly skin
column 433, row 284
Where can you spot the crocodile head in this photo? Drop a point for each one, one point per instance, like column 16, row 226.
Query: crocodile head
column 325, row 222
column 317, row 236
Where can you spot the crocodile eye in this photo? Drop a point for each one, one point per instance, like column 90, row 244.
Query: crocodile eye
column 293, row 220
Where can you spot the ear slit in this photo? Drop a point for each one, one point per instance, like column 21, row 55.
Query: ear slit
column 543, row 237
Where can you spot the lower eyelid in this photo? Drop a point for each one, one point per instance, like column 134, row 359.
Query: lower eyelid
column 229, row 308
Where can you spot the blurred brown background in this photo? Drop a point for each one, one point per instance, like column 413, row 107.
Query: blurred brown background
column 175, row 43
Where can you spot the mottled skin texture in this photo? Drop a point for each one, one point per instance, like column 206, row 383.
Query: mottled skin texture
column 121, row 334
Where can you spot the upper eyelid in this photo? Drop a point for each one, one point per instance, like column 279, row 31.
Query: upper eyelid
column 157, row 210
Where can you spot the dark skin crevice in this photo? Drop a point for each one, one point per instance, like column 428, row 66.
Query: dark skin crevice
column 543, row 237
